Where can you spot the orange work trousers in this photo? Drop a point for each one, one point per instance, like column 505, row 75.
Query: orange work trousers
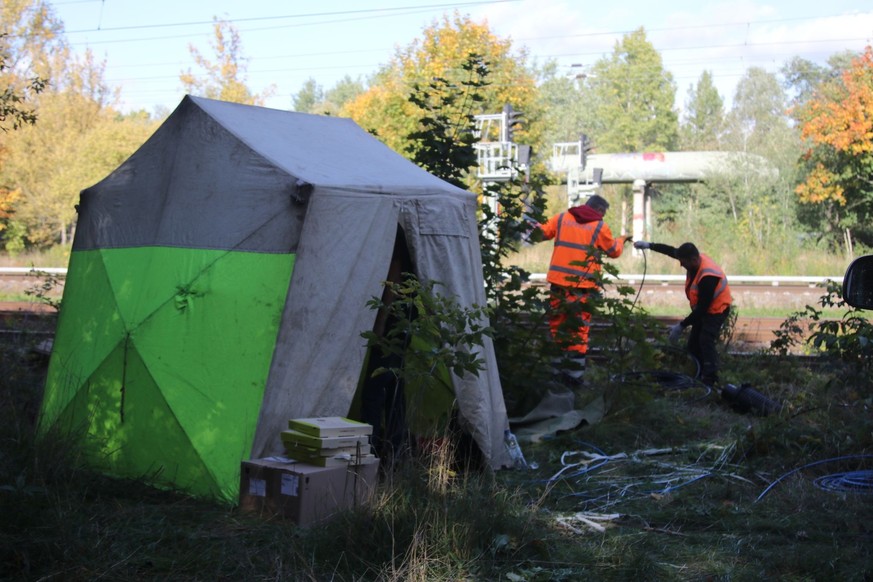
column 569, row 319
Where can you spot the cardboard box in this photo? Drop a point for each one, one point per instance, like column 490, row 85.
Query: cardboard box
column 303, row 493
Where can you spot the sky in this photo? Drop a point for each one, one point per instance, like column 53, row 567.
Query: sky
column 147, row 45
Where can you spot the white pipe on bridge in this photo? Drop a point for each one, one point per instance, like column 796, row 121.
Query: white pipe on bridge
column 659, row 166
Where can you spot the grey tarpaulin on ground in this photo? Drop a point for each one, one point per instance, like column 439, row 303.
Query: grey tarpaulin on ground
column 555, row 413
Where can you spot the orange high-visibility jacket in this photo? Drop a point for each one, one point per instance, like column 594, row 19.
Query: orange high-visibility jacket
column 573, row 243
column 721, row 299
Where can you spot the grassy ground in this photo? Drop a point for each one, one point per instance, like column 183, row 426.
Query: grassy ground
column 672, row 484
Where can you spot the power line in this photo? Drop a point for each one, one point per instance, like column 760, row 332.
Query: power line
column 210, row 32
column 380, row 13
column 386, row 11
column 408, row 10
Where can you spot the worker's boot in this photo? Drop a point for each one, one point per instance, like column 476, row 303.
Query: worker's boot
column 576, row 369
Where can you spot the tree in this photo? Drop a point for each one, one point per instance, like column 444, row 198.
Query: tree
column 14, row 109
column 564, row 110
column 78, row 143
column 307, row 99
column 28, row 41
column 224, row 78
column 758, row 186
column 837, row 124
column 633, row 98
column 313, row 99
column 703, row 118
column 33, row 35
column 441, row 53
column 803, row 77
column 752, row 199
column 46, row 165
column 443, row 144
column 14, row 113
column 759, row 109
column 345, row 91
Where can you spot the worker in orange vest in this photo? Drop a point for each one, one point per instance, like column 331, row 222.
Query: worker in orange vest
column 581, row 239
column 708, row 292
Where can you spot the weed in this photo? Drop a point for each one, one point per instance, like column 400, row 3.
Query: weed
column 46, row 289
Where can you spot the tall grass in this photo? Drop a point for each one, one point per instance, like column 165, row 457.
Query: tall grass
column 435, row 518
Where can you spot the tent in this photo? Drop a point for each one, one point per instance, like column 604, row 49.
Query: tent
column 217, row 287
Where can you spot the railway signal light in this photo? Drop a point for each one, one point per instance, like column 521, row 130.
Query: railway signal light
column 512, row 118
column 585, row 146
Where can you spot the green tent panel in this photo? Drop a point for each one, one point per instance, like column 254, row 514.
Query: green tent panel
column 127, row 420
column 161, row 348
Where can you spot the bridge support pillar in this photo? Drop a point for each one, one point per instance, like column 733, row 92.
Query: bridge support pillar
column 640, row 212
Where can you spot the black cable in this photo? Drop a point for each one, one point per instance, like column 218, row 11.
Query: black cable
column 642, row 281
column 668, row 381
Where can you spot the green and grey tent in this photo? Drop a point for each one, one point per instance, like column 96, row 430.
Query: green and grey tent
column 217, row 287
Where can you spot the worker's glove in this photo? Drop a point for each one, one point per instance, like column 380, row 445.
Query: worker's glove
column 675, row 333
column 530, row 221
column 641, row 244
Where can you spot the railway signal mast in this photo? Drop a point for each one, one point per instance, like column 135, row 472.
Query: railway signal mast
column 499, row 158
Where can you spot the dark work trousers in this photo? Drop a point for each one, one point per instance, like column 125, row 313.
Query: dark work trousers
column 702, row 344
column 383, row 406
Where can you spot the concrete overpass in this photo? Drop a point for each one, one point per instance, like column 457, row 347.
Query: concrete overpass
column 585, row 174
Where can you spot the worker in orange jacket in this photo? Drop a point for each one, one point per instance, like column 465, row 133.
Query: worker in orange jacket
column 581, row 239
column 708, row 293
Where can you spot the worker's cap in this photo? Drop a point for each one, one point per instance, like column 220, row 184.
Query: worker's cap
column 598, row 203
column 687, row 251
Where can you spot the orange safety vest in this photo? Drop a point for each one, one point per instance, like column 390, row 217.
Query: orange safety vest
column 574, row 243
column 721, row 299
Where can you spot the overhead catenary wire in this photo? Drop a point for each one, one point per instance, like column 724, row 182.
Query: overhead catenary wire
column 325, row 18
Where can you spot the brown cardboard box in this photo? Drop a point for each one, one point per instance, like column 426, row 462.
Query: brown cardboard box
column 304, row 493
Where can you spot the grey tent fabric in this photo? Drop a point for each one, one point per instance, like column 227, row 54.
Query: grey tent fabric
column 169, row 193
column 222, row 175
column 319, row 377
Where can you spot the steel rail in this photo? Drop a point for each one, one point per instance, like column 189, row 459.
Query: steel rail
column 773, row 280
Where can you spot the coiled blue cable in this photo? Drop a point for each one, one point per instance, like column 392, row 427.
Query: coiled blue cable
column 864, row 478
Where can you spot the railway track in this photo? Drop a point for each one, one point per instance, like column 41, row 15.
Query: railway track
column 750, row 333
column 652, row 293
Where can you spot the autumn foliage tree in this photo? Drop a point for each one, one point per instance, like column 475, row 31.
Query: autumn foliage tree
column 441, row 52
column 78, row 139
column 838, row 124
column 223, row 78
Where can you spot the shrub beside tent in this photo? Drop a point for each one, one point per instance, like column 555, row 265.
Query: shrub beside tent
column 217, row 287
